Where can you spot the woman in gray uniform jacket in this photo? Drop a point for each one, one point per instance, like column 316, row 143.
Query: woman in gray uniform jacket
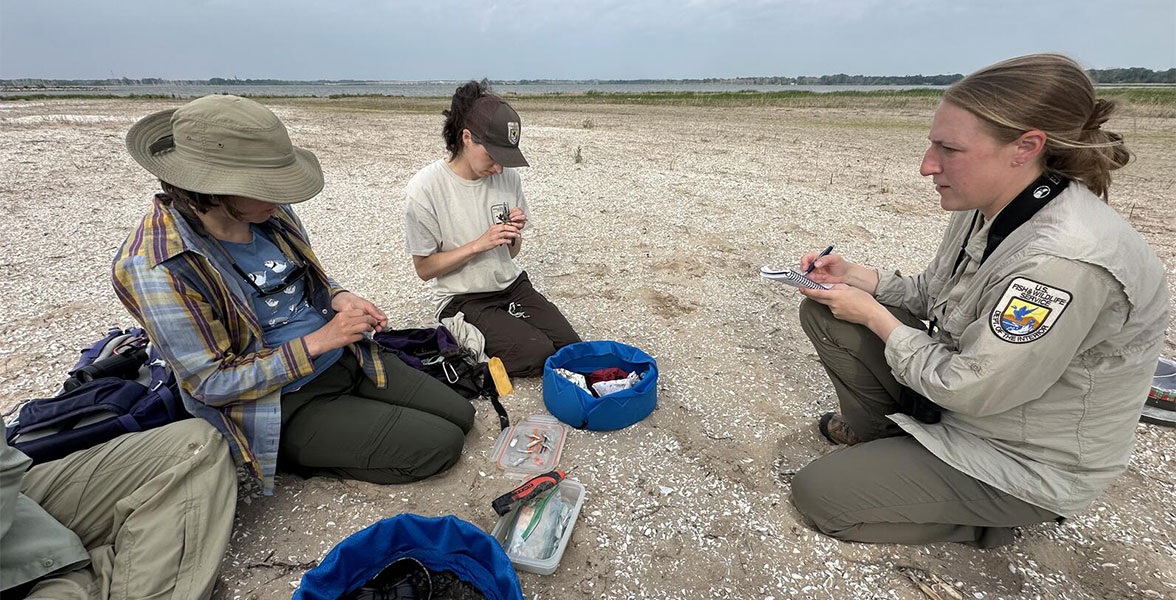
column 1001, row 386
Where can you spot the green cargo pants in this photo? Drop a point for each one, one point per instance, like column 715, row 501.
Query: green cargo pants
column 154, row 509
column 341, row 424
column 890, row 488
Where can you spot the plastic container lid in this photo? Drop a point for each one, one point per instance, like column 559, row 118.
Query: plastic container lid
column 517, row 453
column 572, row 492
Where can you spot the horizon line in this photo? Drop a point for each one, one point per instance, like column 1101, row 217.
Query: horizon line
column 519, row 80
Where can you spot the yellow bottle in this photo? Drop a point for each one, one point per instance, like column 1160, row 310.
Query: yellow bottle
column 501, row 380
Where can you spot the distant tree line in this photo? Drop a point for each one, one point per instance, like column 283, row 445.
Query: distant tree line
column 1133, row 75
column 838, row 79
column 1128, row 75
column 1106, row 76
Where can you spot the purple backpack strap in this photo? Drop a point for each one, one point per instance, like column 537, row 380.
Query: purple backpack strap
column 446, row 342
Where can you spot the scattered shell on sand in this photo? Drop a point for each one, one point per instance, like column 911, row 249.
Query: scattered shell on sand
column 653, row 238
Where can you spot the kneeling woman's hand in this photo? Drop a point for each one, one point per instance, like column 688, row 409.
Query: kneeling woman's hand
column 499, row 234
column 854, row 305
column 518, row 218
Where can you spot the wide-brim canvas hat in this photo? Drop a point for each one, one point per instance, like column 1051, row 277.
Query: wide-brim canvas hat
column 495, row 125
column 225, row 145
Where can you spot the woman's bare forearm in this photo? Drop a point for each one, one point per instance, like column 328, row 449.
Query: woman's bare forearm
column 443, row 263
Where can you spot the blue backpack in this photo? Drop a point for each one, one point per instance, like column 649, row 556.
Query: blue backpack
column 439, row 543
column 119, row 385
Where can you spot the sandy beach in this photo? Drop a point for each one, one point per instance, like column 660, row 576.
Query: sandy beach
column 648, row 226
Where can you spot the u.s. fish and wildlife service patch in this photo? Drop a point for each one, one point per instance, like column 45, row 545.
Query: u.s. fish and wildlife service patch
column 1027, row 310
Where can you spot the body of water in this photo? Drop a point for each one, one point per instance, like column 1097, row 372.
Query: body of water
column 434, row 89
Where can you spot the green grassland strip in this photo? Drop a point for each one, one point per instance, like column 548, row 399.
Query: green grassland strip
column 1138, row 102
column 1149, row 101
column 1130, row 135
column 398, row 104
column 740, row 98
column 42, row 97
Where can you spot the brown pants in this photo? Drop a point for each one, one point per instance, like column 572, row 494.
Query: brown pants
column 521, row 326
column 890, row 488
column 154, row 509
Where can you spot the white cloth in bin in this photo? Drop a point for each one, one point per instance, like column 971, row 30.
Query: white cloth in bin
column 604, row 388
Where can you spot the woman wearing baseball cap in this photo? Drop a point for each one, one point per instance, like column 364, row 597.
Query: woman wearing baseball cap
column 266, row 346
column 464, row 217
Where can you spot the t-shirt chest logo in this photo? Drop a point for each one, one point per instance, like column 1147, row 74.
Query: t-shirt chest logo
column 1028, row 310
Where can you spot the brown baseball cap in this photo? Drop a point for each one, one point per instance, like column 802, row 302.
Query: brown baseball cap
column 495, row 125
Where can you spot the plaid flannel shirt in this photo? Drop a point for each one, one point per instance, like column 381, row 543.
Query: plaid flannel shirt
column 197, row 312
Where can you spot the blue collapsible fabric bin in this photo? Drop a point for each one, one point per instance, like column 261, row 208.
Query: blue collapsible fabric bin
column 440, row 543
column 580, row 409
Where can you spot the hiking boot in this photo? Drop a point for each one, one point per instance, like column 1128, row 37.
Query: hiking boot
column 836, row 430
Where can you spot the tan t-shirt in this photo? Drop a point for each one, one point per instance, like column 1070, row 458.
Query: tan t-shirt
column 443, row 211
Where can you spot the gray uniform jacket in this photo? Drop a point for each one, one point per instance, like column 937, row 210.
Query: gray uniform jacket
column 32, row 543
column 1045, row 353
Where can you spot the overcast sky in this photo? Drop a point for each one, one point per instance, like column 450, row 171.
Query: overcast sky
column 567, row 39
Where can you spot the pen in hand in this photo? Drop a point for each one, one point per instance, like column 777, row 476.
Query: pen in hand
column 813, row 264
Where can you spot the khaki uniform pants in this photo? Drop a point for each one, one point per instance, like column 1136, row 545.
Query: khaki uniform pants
column 889, row 488
column 154, row 509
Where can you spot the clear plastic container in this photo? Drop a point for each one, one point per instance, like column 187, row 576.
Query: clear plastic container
column 531, row 446
column 572, row 492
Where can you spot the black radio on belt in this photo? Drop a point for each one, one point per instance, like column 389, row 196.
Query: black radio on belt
column 918, row 406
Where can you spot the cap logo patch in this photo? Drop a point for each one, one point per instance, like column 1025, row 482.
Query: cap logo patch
column 1027, row 310
column 512, row 132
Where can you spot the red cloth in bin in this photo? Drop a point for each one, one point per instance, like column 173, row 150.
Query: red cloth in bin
column 609, row 374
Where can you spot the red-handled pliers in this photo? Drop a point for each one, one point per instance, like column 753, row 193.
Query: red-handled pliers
column 531, row 488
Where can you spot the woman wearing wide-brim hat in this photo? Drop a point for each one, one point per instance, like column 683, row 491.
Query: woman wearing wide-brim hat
column 266, row 346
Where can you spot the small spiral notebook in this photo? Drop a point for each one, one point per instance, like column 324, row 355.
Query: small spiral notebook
column 791, row 277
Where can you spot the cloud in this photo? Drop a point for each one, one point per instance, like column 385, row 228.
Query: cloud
column 397, row 39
